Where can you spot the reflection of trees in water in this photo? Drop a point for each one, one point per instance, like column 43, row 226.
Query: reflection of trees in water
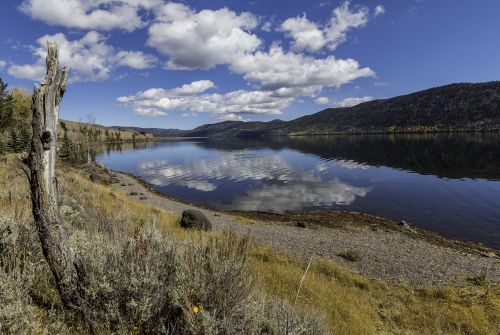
column 122, row 146
column 461, row 155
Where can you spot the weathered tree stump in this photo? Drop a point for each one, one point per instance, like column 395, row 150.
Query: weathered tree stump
column 55, row 246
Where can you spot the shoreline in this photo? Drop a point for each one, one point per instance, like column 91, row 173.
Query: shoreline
column 323, row 218
column 388, row 251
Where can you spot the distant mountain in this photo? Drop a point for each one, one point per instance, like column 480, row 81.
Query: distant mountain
column 455, row 107
column 157, row 132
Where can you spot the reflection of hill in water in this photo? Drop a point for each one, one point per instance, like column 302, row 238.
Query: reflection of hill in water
column 444, row 155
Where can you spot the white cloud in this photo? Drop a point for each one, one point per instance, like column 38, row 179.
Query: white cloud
column 267, row 26
column 136, row 59
column 194, row 88
column 349, row 102
column 89, row 58
column 231, row 117
column 343, row 20
column 192, row 99
column 282, row 78
column 2, row 64
column 321, row 100
column 89, row 14
column 309, row 36
column 306, row 34
column 141, row 111
column 379, row 10
column 202, row 39
column 32, row 72
column 276, row 69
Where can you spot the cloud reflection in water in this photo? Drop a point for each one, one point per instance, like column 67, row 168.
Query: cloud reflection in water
column 279, row 186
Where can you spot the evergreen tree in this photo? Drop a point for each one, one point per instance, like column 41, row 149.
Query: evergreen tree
column 13, row 143
column 6, row 107
column 63, row 126
column 24, row 137
column 67, row 152
column 2, row 146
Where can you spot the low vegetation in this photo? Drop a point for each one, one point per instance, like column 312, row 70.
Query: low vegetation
column 146, row 275
column 351, row 255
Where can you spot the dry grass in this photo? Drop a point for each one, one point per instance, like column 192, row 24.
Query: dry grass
column 111, row 231
column 354, row 304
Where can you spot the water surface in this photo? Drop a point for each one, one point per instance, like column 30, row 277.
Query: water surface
column 445, row 183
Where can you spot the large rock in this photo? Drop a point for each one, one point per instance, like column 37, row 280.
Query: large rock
column 192, row 218
column 95, row 178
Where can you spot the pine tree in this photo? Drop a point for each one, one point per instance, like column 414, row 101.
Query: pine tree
column 2, row 146
column 67, row 151
column 24, row 137
column 6, row 107
column 13, row 143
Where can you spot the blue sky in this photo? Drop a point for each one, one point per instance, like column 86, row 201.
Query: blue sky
column 154, row 63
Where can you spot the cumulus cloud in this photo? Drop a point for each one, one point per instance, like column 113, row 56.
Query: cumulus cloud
column 349, row 102
column 2, row 64
column 193, row 88
column 192, row 99
column 322, row 100
column 89, row 14
column 309, row 36
column 143, row 111
column 282, row 77
column 232, row 117
column 202, row 39
column 379, row 10
column 89, row 58
column 306, row 34
column 278, row 69
column 136, row 59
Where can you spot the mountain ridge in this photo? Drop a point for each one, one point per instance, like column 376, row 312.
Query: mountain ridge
column 449, row 108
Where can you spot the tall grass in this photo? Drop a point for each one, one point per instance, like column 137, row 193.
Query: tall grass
column 145, row 275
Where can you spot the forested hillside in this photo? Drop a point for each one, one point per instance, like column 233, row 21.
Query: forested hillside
column 15, row 118
column 15, row 126
column 455, row 107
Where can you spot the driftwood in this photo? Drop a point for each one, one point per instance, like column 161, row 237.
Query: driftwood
column 55, row 246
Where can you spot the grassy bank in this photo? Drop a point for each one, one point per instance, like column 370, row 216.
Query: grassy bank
column 145, row 272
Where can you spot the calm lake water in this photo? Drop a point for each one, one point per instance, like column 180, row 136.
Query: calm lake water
column 446, row 183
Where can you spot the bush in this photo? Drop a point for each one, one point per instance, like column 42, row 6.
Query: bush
column 152, row 285
column 128, row 285
column 29, row 302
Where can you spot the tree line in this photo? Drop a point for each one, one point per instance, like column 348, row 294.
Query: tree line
column 77, row 144
column 15, row 119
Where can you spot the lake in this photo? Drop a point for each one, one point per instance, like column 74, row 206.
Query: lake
column 447, row 183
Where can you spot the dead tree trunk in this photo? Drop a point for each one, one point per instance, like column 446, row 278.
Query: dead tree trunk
column 43, row 183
